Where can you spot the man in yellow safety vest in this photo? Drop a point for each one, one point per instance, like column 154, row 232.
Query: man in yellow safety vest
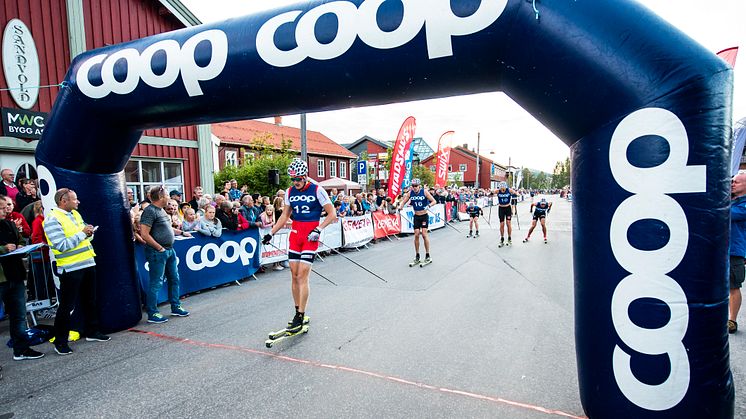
column 70, row 240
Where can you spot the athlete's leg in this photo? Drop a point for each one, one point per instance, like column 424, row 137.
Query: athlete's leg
column 300, row 272
column 734, row 303
column 417, row 241
column 543, row 227
column 510, row 227
column 476, row 224
column 531, row 230
column 502, row 228
column 426, row 239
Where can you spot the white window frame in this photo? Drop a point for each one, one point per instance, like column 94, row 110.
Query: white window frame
column 320, row 168
column 141, row 187
column 462, row 167
column 332, row 168
column 248, row 156
column 343, row 170
column 231, row 158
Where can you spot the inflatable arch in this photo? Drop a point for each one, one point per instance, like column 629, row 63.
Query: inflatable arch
column 645, row 110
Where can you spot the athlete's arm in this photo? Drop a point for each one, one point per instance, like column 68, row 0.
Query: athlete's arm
column 532, row 207
column 286, row 210
column 331, row 216
column 404, row 201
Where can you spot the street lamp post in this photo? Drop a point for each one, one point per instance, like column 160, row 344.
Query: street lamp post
column 476, row 182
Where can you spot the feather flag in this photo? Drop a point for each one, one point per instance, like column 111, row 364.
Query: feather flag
column 398, row 156
column 444, row 155
column 729, row 55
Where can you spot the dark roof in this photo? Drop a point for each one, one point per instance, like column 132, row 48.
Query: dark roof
column 367, row 138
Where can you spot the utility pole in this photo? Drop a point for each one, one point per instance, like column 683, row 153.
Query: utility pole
column 476, row 182
column 303, row 147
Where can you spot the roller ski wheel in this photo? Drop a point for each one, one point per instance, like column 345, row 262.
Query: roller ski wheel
column 283, row 334
column 509, row 243
column 501, row 244
column 469, row 236
column 426, row 262
column 545, row 241
column 414, row 263
column 525, row 240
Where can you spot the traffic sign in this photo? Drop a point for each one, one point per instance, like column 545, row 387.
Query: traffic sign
column 361, row 167
column 362, row 179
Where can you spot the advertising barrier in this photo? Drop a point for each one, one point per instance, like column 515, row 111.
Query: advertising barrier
column 331, row 237
column 277, row 250
column 356, row 231
column 385, row 224
column 205, row 262
column 436, row 218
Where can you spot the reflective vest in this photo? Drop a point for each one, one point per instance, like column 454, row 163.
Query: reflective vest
column 83, row 251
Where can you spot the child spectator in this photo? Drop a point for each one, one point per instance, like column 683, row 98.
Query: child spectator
column 209, row 225
column 190, row 220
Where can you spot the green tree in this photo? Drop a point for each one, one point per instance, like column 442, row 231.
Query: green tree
column 561, row 177
column 254, row 173
column 527, row 178
column 424, row 174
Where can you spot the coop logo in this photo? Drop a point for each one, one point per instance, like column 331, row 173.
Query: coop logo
column 211, row 255
column 435, row 15
column 302, row 198
column 179, row 60
column 649, row 269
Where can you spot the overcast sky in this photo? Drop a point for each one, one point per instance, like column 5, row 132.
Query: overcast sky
column 506, row 129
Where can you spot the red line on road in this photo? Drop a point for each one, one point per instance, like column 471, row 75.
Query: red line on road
column 498, row 400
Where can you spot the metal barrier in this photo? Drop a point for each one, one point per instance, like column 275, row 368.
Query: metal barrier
column 41, row 284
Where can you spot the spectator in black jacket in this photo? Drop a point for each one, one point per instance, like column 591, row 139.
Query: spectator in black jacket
column 228, row 216
column 26, row 194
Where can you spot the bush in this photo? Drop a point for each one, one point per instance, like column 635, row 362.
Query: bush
column 255, row 173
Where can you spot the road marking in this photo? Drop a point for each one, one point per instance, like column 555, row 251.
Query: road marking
column 236, row 348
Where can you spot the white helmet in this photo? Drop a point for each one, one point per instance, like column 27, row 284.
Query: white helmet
column 297, row 168
column 503, row 185
column 416, row 181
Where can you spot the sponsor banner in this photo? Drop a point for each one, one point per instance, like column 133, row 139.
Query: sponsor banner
column 23, row 124
column 436, row 218
column 205, row 262
column 399, row 156
column 331, row 237
column 277, row 250
column 444, row 155
column 385, row 224
column 408, row 174
column 356, row 231
column 449, row 211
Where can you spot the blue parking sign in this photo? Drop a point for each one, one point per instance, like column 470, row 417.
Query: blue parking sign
column 361, row 167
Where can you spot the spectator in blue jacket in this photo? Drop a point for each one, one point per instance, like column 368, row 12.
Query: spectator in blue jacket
column 737, row 247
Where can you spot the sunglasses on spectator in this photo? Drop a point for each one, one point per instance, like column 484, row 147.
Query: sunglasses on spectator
column 296, row 179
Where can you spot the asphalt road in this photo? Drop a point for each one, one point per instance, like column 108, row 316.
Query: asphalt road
column 481, row 332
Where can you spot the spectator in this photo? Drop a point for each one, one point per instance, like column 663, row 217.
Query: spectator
column 227, row 216
column 268, row 217
column 37, row 227
column 158, row 234
column 344, row 207
column 737, row 247
column 372, row 206
column 137, row 228
column 243, row 223
column 131, row 197
column 278, row 204
column 381, row 197
column 190, row 220
column 7, row 186
column 204, row 203
column 27, row 194
column 233, row 192
column 70, row 240
column 265, row 203
column 209, row 225
column 354, row 210
column 175, row 195
column 17, row 219
column 219, row 199
column 172, row 209
column 194, row 203
column 250, row 212
column 388, row 206
column 333, row 195
column 183, row 206
column 361, row 204
column 226, row 192
column 337, row 206
column 12, row 289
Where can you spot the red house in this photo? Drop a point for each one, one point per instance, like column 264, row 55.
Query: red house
column 463, row 162
column 326, row 159
column 60, row 31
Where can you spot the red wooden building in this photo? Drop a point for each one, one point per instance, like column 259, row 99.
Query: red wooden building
column 463, row 162
column 63, row 29
column 326, row 159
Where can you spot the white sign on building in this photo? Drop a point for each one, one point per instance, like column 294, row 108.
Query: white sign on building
column 21, row 63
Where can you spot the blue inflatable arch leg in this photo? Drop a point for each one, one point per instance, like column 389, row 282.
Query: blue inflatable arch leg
column 645, row 110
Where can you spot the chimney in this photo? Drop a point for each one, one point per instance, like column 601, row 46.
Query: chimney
column 278, row 120
column 466, row 146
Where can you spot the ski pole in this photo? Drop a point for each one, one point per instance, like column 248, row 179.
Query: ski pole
column 359, row 265
column 312, row 270
column 428, row 210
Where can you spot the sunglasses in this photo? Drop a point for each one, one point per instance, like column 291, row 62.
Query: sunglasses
column 296, row 179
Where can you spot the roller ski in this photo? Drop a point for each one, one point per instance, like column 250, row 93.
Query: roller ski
column 526, row 240
column 298, row 325
column 426, row 262
column 468, row 236
column 415, row 262
column 502, row 242
column 545, row 240
column 283, row 334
